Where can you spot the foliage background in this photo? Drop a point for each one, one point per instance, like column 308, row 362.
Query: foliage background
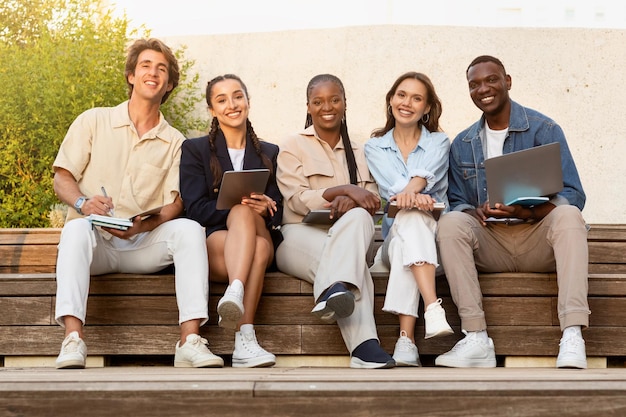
column 59, row 58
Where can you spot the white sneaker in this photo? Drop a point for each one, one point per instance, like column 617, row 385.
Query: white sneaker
column 230, row 307
column 572, row 353
column 405, row 353
column 73, row 352
column 249, row 354
column 435, row 321
column 469, row 352
column 195, row 353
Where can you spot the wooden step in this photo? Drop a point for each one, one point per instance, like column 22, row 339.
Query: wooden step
column 150, row 391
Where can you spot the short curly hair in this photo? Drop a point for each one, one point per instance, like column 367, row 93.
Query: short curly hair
column 154, row 44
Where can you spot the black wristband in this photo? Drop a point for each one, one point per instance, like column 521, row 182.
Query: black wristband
column 533, row 215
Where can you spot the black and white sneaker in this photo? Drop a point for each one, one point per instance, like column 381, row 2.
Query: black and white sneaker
column 369, row 355
column 336, row 303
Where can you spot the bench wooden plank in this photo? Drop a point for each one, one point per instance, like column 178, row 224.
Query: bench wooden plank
column 28, row 255
column 605, row 246
column 610, row 232
column 608, row 284
column 154, row 310
column 607, row 232
column 273, row 392
column 45, row 284
column 29, row 236
column 277, row 283
column 19, row 311
column 607, row 311
column 319, row 339
column 140, row 340
column 606, row 252
column 32, row 284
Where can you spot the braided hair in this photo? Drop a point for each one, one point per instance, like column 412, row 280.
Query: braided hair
column 216, row 168
column 345, row 138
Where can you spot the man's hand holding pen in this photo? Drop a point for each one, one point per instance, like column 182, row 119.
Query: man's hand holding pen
column 108, row 203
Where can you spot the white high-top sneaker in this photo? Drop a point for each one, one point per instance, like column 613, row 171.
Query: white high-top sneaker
column 230, row 307
column 248, row 353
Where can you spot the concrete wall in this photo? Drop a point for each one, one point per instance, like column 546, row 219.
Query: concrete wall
column 574, row 76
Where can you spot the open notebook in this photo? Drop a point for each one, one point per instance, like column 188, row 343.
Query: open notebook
column 528, row 177
column 120, row 223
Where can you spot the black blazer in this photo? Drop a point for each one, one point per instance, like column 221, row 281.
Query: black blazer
column 196, row 181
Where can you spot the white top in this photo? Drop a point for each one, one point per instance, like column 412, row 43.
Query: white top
column 236, row 157
column 495, row 141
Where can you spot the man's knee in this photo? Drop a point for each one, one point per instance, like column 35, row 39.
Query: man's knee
column 77, row 232
column 567, row 217
column 451, row 224
column 187, row 229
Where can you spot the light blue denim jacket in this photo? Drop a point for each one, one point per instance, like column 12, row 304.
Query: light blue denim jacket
column 467, row 188
column 428, row 160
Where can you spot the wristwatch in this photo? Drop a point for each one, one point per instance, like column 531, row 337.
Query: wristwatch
column 80, row 202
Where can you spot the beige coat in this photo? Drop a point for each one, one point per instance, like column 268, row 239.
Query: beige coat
column 307, row 166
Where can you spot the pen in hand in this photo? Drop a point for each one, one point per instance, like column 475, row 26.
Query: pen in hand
column 104, row 193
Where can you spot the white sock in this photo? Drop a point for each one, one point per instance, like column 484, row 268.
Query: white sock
column 481, row 335
column 246, row 328
column 236, row 283
column 572, row 331
column 432, row 305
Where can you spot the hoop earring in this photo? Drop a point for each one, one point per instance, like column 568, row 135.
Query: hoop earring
column 427, row 118
column 389, row 109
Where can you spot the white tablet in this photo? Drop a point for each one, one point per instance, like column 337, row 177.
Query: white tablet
column 239, row 184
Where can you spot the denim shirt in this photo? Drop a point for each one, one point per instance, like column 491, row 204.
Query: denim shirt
column 467, row 188
column 428, row 160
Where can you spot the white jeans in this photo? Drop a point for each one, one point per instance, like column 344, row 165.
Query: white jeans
column 83, row 252
column 323, row 256
column 411, row 241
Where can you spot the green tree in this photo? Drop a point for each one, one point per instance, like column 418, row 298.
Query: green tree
column 59, row 58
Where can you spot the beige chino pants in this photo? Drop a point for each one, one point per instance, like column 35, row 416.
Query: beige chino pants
column 556, row 243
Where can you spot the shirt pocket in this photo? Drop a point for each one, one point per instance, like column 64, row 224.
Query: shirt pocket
column 469, row 174
column 148, row 186
column 312, row 167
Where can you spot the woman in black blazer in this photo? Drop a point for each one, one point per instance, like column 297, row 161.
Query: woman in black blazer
column 241, row 241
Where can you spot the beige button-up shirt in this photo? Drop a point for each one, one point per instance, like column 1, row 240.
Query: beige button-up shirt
column 102, row 149
column 307, row 166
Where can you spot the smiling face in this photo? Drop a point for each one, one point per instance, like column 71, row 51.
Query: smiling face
column 229, row 103
column 150, row 79
column 489, row 88
column 409, row 102
column 326, row 104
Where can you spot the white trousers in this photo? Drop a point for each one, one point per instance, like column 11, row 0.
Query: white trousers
column 323, row 256
column 411, row 241
column 83, row 252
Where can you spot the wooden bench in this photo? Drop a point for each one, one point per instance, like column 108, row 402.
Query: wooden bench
column 136, row 315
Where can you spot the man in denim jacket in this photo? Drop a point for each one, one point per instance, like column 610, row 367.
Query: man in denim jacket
column 551, row 236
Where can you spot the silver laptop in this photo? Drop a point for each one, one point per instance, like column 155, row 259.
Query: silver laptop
column 528, row 177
